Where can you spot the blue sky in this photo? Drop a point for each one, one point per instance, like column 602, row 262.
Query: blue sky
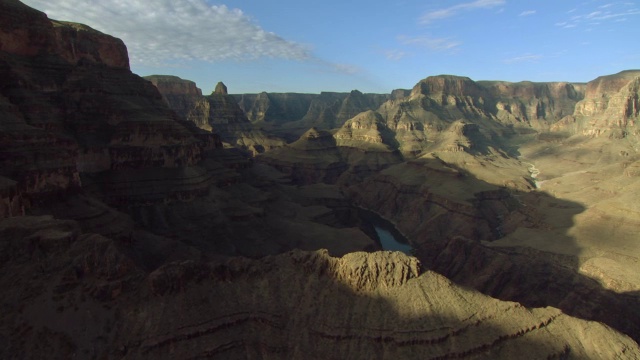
column 372, row 46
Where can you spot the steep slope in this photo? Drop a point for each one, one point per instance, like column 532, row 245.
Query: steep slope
column 610, row 108
column 95, row 300
column 86, row 139
column 470, row 209
column 157, row 206
column 532, row 106
column 217, row 112
column 184, row 97
column 74, row 109
column 291, row 114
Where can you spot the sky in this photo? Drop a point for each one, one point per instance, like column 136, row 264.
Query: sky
column 373, row 46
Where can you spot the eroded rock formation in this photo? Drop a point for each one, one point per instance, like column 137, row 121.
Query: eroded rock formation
column 94, row 300
column 218, row 113
column 148, row 225
column 610, row 108
column 184, row 97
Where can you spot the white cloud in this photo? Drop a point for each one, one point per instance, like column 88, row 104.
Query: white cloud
column 527, row 13
column 523, row 58
column 453, row 10
column 394, row 54
column 170, row 32
column 436, row 44
column 603, row 14
column 345, row 69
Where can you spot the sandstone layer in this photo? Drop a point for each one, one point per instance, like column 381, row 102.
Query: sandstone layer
column 217, row 112
column 93, row 299
column 156, row 240
column 86, row 139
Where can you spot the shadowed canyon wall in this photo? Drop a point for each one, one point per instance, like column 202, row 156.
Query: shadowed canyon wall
column 142, row 219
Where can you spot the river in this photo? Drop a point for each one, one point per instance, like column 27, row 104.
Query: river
column 389, row 242
column 388, row 236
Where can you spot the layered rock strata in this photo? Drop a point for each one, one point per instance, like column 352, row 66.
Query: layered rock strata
column 217, row 112
column 611, row 108
column 184, row 97
column 74, row 110
column 94, row 300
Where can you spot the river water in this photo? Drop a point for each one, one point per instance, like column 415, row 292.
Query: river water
column 390, row 238
column 389, row 242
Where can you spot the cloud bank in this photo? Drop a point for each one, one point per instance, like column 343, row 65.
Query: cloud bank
column 171, row 32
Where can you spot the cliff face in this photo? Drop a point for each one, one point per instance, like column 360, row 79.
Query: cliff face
column 184, row 98
column 156, row 210
column 218, row 112
column 326, row 110
column 468, row 204
column 274, row 107
column 71, row 108
column 96, row 300
column 73, row 43
column 416, row 119
column 539, row 105
column 610, row 108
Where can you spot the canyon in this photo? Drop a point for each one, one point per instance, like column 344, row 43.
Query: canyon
column 140, row 218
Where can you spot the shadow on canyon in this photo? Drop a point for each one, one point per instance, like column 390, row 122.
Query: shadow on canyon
column 293, row 305
column 449, row 237
column 539, row 267
column 310, row 311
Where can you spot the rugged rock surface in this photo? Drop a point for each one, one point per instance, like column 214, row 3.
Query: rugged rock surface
column 467, row 205
column 292, row 113
column 29, row 33
column 274, row 107
column 153, row 207
column 184, row 97
column 528, row 105
column 221, row 89
column 611, row 108
column 217, row 112
column 93, row 299
column 73, row 108
column 96, row 143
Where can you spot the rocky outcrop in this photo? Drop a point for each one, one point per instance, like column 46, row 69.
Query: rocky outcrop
column 326, row 110
column 356, row 103
column 529, row 105
column 218, row 112
column 460, row 226
column 610, row 108
column 320, row 156
column 71, row 108
column 366, row 130
column 184, row 98
column 29, row 33
column 221, row 89
column 95, row 299
column 274, row 107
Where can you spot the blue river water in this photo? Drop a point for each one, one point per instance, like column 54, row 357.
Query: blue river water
column 389, row 242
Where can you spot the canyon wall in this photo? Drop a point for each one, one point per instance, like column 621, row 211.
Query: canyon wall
column 610, row 108
column 218, row 113
column 96, row 301
column 73, row 108
column 154, row 240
